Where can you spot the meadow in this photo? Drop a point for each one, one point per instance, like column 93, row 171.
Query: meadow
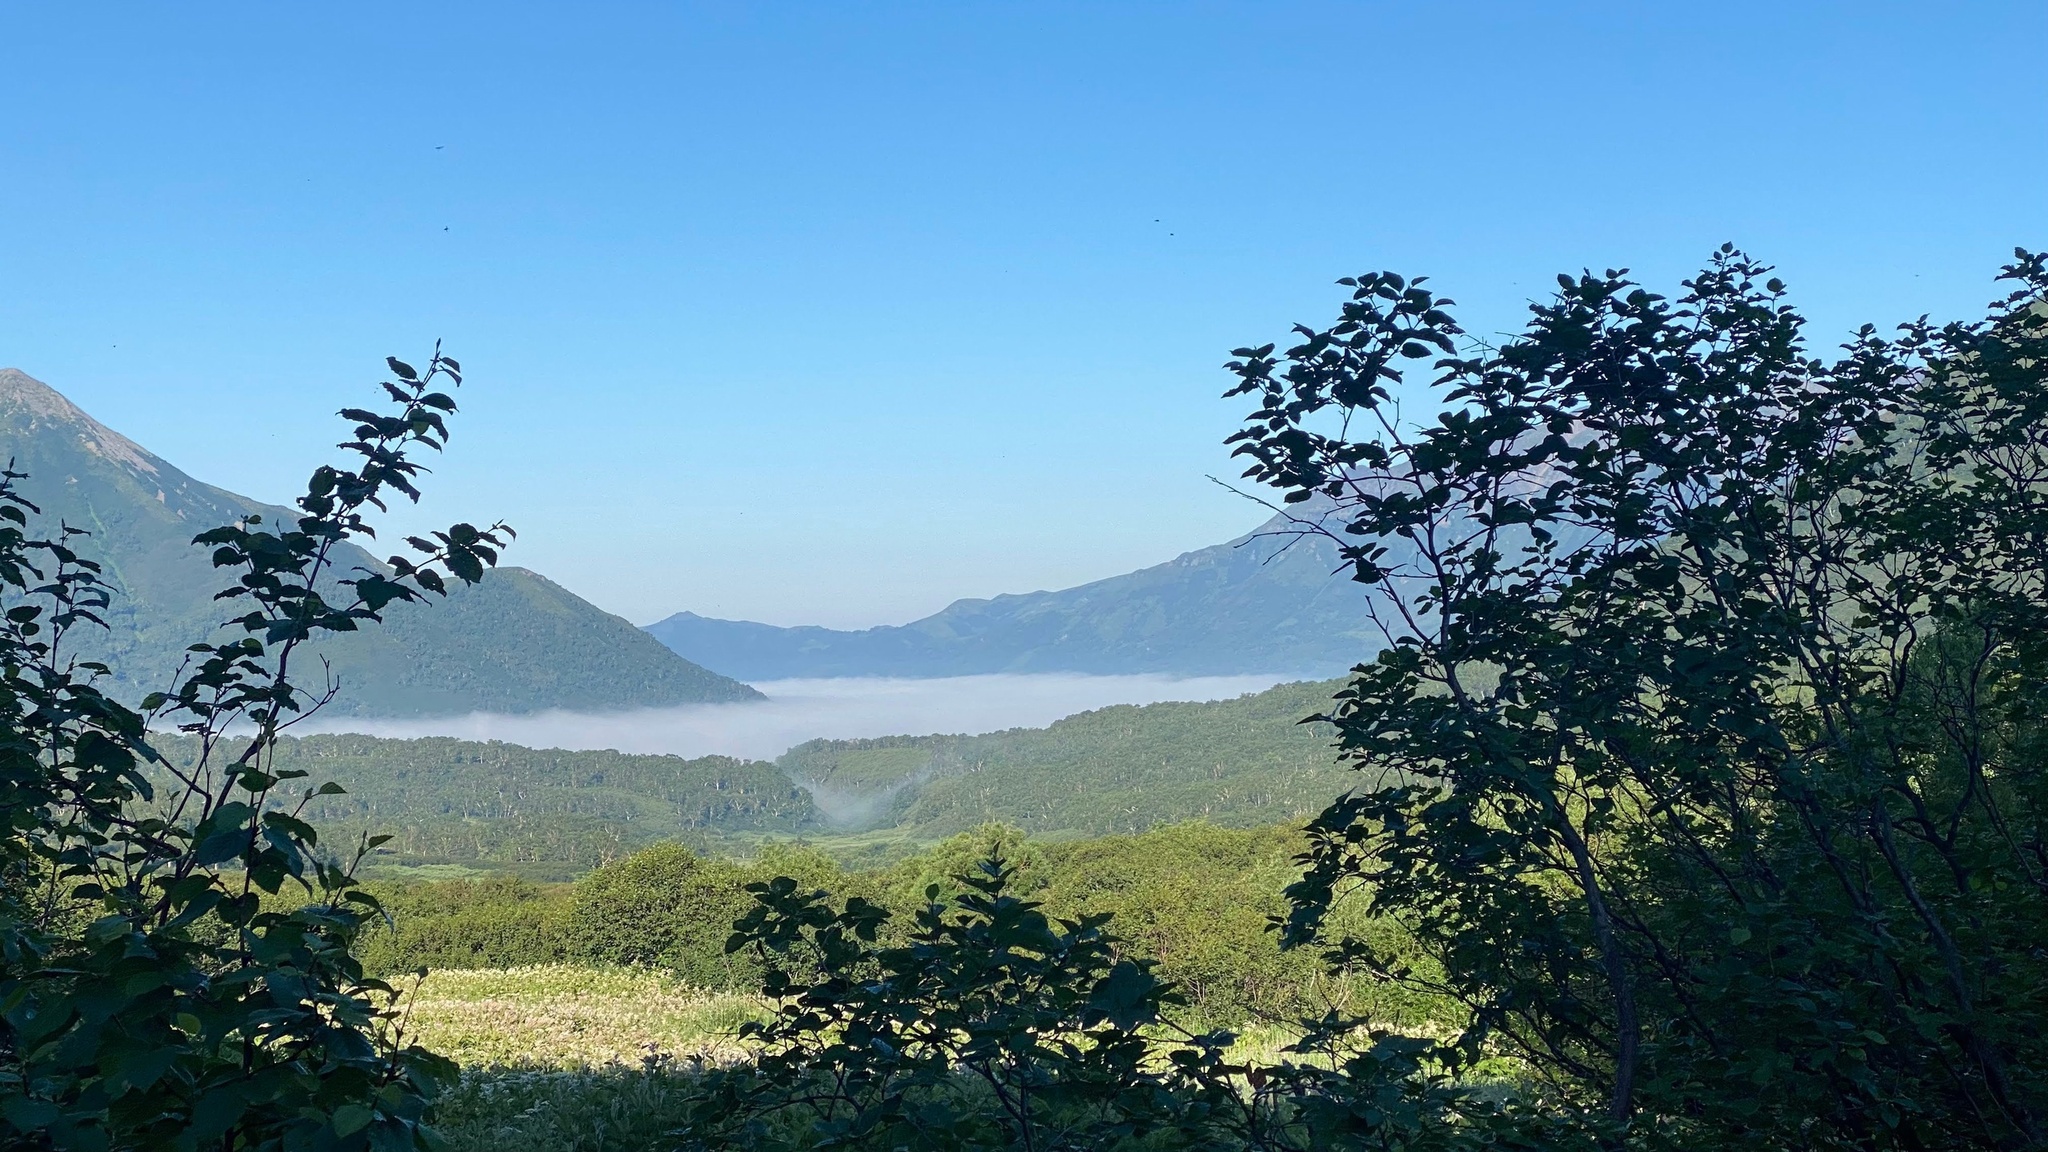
column 572, row 1058
column 585, row 1014
column 569, row 1058
column 563, row 1016
column 1197, row 899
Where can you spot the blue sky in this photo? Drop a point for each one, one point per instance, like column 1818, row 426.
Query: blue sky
column 834, row 313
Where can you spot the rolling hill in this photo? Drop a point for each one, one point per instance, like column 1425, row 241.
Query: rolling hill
column 1265, row 602
column 516, row 642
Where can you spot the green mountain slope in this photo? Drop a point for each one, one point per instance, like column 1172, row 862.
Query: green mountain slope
column 516, row 642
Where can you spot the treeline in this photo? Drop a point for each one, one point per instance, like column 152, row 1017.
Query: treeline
column 1242, row 763
column 551, row 814
column 558, row 812
column 1194, row 897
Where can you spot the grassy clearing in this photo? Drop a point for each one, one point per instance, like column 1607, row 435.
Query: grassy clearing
column 566, row 1017
column 563, row 1058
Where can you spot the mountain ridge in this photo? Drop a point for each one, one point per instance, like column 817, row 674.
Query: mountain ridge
column 516, row 642
column 1272, row 601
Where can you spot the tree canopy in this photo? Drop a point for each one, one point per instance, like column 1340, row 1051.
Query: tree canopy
column 1707, row 737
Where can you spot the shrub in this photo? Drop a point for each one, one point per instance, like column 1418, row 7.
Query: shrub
column 662, row 906
column 1705, row 747
column 174, row 967
column 993, row 1026
column 495, row 922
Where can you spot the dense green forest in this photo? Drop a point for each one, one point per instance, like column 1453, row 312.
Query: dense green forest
column 1193, row 896
column 1235, row 762
column 552, row 814
column 541, row 811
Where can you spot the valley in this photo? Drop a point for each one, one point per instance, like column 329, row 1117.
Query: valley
column 523, row 662
column 1652, row 776
column 461, row 807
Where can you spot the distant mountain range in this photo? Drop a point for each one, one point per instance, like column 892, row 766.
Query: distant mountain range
column 516, row 642
column 1266, row 602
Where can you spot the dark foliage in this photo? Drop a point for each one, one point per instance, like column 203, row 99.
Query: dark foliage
column 1038, row 1014
column 1708, row 729
column 174, row 961
column 993, row 1025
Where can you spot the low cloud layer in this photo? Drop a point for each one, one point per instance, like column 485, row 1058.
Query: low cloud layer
column 800, row 710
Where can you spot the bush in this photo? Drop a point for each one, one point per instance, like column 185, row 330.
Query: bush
column 495, row 922
column 662, row 906
column 1705, row 748
column 995, row 1026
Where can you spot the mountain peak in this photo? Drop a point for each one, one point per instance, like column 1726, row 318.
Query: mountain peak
column 513, row 643
column 27, row 403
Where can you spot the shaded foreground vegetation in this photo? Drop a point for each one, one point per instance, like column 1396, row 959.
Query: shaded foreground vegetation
column 174, row 963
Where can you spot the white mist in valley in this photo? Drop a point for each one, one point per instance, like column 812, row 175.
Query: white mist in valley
column 800, row 710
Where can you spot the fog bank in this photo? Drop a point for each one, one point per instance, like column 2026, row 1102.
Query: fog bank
column 800, row 710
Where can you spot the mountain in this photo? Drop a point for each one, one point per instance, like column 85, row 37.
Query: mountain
column 516, row 642
column 1266, row 602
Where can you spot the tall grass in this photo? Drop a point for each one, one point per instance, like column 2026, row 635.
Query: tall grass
column 560, row 1016
column 608, row 1109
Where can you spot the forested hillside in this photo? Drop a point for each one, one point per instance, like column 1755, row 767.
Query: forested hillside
column 546, row 812
column 552, row 813
column 1241, row 762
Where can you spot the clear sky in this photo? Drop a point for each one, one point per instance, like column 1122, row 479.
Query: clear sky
column 833, row 313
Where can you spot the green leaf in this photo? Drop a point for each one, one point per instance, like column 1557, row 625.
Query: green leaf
column 215, row 1113
column 221, row 847
column 350, row 1119
column 29, row 1115
column 1128, row 997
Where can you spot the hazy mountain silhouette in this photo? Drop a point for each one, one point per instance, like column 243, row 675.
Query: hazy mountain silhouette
column 517, row 642
column 1266, row 602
